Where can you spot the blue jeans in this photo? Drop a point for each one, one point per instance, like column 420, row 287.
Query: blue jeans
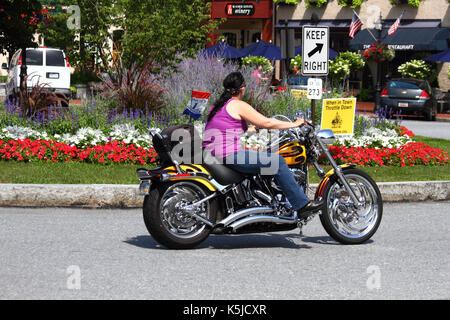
column 253, row 162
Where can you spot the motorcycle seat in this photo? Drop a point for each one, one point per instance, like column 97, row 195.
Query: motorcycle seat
column 220, row 172
column 223, row 175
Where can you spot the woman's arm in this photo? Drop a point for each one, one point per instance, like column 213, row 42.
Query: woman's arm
column 246, row 112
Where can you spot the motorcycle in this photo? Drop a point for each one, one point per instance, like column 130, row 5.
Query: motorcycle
column 186, row 202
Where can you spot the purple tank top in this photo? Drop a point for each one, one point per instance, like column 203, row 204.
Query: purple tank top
column 222, row 134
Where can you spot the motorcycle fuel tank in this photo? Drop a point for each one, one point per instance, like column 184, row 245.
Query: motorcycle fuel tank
column 293, row 152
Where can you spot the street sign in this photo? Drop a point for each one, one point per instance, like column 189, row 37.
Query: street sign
column 339, row 115
column 314, row 89
column 315, row 50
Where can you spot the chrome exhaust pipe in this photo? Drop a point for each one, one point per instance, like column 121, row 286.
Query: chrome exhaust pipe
column 254, row 219
column 243, row 213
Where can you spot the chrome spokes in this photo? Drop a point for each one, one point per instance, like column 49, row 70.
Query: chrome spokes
column 348, row 220
column 178, row 222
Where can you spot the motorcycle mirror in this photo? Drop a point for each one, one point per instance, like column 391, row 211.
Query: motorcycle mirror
column 300, row 114
column 308, row 113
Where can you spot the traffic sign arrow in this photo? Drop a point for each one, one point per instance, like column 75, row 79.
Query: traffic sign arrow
column 318, row 48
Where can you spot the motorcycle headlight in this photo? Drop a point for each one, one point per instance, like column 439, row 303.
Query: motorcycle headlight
column 327, row 136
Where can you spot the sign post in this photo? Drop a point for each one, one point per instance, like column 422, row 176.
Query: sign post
column 315, row 53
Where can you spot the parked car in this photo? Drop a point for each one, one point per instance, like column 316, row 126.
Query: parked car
column 297, row 83
column 410, row 96
column 45, row 66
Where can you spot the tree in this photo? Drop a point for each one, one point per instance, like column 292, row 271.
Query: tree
column 17, row 25
column 156, row 29
column 91, row 40
column 18, row 21
column 165, row 29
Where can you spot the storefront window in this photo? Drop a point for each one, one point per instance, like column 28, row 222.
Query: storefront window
column 231, row 38
column 256, row 37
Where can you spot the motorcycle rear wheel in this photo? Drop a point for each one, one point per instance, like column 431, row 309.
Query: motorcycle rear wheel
column 168, row 224
column 341, row 220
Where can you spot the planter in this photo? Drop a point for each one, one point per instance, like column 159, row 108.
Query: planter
column 2, row 89
column 82, row 91
column 379, row 52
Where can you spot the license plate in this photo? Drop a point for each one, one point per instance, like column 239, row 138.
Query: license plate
column 52, row 75
column 403, row 104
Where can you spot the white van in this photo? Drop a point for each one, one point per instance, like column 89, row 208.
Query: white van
column 45, row 66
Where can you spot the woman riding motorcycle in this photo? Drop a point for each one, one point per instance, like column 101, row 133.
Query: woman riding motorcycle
column 227, row 120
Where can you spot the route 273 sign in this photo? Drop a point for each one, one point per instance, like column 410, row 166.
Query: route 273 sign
column 239, row 9
column 315, row 50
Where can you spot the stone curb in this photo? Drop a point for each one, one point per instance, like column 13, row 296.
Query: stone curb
column 126, row 196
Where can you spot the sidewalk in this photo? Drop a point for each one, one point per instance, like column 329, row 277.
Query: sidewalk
column 126, row 196
column 368, row 107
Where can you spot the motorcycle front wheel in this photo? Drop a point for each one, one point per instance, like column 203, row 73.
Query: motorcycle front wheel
column 343, row 221
column 171, row 226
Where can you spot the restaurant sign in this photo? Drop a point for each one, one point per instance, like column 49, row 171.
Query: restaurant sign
column 395, row 46
column 239, row 10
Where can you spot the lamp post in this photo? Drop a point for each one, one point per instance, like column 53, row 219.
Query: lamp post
column 379, row 28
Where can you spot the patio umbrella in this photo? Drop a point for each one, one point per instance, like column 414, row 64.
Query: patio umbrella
column 332, row 54
column 263, row 49
column 443, row 56
column 222, row 50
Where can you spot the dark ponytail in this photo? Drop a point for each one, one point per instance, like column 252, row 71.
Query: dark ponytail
column 232, row 84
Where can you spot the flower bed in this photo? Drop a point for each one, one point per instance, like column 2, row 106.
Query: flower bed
column 28, row 150
column 411, row 154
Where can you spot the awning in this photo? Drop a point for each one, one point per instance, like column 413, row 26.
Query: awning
column 415, row 39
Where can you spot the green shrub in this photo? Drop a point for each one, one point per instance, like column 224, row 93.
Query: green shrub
column 255, row 62
column 416, row 69
column 83, row 77
column 414, row 3
column 351, row 3
column 286, row 1
column 317, row 3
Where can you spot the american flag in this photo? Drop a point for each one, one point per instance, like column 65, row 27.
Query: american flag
column 355, row 25
column 394, row 27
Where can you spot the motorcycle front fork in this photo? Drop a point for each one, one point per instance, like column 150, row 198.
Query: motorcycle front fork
column 339, row 173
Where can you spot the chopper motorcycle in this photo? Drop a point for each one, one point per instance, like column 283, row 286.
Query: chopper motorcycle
column 186, row 202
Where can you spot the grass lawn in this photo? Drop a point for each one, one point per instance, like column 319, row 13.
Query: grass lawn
column 83, row 173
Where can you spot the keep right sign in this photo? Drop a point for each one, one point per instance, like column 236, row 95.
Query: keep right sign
column 315, row 50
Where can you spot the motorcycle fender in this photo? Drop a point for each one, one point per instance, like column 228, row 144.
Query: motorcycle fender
column 330, row 174
column 193, row 172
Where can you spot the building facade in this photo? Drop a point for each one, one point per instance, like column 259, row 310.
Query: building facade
column 246, row 21
column 422, row 31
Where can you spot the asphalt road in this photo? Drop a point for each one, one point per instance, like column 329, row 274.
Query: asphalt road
column 433, row 129
column 108, row 254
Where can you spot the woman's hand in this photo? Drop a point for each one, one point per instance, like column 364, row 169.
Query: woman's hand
column 252, row 129
column 299, row 122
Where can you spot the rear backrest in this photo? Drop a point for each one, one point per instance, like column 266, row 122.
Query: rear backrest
column 184, row 135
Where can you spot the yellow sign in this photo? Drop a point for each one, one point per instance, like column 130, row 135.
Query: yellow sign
column 339, row 115
column 299, row 93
